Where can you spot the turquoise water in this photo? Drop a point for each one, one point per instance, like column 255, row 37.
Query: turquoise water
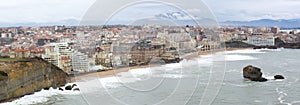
column 212, row 79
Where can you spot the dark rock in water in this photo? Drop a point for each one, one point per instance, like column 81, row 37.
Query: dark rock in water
column 76, row 89
column 54, row 87
column 278, row 77
column 61, row 89
column 253, row 73
column 268, row 47
column 69, row 87
column 74, row 85
column 259, row 79
column 46, row 88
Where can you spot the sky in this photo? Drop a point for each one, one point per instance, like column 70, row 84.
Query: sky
column 42, row 11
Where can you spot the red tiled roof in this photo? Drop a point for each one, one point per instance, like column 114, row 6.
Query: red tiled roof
column 64, row 58
column 20, row 50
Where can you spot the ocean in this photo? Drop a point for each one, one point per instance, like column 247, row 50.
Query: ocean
column 211, row 79
column 288, row 31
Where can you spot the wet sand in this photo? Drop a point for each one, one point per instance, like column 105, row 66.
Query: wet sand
column 126, row 69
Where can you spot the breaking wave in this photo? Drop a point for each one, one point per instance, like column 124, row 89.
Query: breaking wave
column 42, row 96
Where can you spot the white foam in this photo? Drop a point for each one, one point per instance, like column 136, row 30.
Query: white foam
column 140, row 71
column 262, row 50
column 245, row 51
column 238, row 57
column 40, row 97
column 117, row 81
column 281, row 97
column 268, row 77
column 172, row 66
column 234, row 57
column 174, row 76
column 223, row 56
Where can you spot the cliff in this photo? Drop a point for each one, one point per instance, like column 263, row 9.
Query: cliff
column 25, row 76
column 280, row 43
column 237, row 44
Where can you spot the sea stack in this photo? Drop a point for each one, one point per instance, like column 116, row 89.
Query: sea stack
column 278, row 77
column 253, row 73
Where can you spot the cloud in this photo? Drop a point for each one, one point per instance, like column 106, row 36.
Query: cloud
column 20, row 11
column 246, row 10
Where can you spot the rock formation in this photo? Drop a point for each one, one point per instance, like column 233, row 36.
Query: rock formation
column 253, row 73
column 26, row 76
column 278, row 77
column 69, row 87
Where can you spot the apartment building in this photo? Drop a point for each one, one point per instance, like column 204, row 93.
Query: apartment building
column 68, row 59
column 261, row 40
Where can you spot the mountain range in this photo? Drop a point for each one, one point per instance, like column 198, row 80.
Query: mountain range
column 66, row 22
column 284, row 23
column 182, row 19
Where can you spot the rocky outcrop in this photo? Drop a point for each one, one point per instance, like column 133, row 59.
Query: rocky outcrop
column 263, row 47
column 278, row 77
column 279, row 43
column 26, row 76
column 69, row 87
column 237, row 44
column 253, row 73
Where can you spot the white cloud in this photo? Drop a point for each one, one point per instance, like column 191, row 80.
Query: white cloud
column 20, row 11
column 254, row 9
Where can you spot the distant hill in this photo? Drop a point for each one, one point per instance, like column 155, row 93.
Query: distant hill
column 67, row 22
column 285, row 23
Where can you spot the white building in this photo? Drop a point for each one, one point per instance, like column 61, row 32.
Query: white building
column 182, row 41
column 261, row 40
column 80, row 62
column 3, row 35
column 55, row 51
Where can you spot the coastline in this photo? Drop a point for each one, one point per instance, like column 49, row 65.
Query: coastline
column 126, row 69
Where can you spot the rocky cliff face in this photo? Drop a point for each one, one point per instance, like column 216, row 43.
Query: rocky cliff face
column 21, row 77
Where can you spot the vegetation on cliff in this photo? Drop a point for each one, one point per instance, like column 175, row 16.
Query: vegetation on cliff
column 238, row 44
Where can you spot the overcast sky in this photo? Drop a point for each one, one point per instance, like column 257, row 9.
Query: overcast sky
column 22, row 11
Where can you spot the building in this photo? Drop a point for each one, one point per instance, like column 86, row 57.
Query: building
column 294, row 32
column 275, row 30
column 79, row 62
column 261, row 40
column 20, row 53
column 68, row 59
column 65, row 64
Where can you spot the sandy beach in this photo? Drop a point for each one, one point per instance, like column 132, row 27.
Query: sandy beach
column 126, row 69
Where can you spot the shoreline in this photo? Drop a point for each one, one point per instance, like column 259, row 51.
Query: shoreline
column 126, row 69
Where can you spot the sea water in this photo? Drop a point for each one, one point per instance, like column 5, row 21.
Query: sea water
column 211, row 79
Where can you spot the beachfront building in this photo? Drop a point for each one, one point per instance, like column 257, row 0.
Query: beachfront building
column 103, row 58
column 66, row 58
column 183, row 41
column 80, row 62
column 65, row 64
column 144, row 51
column 261, row 40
